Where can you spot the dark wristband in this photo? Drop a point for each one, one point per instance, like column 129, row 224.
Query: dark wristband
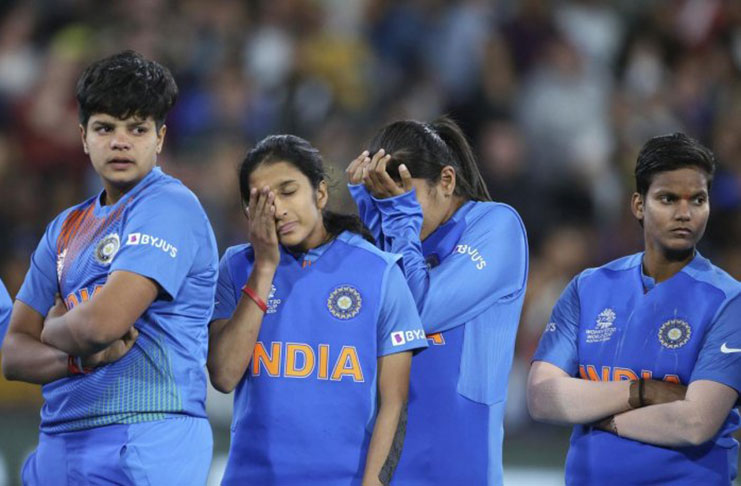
column 636, row 399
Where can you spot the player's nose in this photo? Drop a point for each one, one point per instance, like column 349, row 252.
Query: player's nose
column 120, row 140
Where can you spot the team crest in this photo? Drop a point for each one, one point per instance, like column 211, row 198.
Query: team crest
column 603, row 327
column 674, row 333
column 107, row 249
column 344, row 302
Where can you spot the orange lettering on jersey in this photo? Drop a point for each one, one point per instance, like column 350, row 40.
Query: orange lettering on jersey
column 323, row 373
column 646, row 374
column 72, row 301
column 590, row 374
column 348, row 364
column 292, row 352
column 271, row 362
column 97, row 290
column 436, row 339
column 672, row 379
column 623, row 374
column 84, row 295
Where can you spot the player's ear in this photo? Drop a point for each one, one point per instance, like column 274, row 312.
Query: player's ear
column 322, row 195
column 82, row 137
column 161, row 137
column 447, row 181
column 637, row 206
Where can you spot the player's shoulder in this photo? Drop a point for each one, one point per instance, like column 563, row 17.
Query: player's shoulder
column 486, row 216
column 238, row 253
column 364, row 248
column 164, row 190
column 492, row 210
column 621, row 264
column 703, row 270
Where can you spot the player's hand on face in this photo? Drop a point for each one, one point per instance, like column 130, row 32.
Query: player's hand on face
column 262, row 230
column 656, row 392
column 379, row 183
column 354, row 171
column 58, row 309
column 115, row 351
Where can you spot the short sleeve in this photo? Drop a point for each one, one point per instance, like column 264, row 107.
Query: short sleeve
column 226, row 299
column 719, row 359
column 399, row 326
column 40, row 284
column 159, row 238
column 558, row 344
column 6, row 306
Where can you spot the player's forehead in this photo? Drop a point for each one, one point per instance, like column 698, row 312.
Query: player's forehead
column 684, row 180
column 276, row 175
column 110, row 119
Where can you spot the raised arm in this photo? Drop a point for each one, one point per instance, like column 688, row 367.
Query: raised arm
column 232, row 336
column 489, row 263
column 366, row 206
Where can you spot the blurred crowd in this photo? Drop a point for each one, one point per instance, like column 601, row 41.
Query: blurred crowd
column 556, row 96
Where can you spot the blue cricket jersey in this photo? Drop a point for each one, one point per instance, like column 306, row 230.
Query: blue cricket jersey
column 468, row 279
column 160, row 231
column 6, row 306
column 606, row 326
column 305, row 409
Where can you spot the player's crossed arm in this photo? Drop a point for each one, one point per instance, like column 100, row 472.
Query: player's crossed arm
column 26, row 358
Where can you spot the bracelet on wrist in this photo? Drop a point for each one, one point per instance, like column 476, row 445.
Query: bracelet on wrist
column 255, row 298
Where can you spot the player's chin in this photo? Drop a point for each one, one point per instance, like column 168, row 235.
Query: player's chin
column 680, row 245
column 291, row 239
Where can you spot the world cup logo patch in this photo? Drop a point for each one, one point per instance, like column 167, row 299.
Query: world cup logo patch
column 344, row 302
column 107, row 249
column 674, row 333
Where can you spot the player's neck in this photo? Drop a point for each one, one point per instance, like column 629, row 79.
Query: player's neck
column 663, row 265
column 112, row 194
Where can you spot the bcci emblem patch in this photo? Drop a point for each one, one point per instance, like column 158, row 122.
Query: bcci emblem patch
column 674, row 333
column 344, row 302
column 107, row 249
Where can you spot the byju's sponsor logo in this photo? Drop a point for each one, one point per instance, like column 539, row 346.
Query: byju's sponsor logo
column 476, row 257
column 401, row 337
column 149, row 240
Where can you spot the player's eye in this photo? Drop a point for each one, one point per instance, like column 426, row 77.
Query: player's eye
column 103, row 129
column 666, row 198
column 288, row 192
column 139, row 130
column 700, row 200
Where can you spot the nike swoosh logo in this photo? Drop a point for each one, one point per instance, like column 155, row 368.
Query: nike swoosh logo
column 725, row 349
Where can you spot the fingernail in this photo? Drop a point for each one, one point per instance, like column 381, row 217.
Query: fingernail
column 365, row 152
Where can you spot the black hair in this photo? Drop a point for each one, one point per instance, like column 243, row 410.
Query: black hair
column 126, row 84
column 671, row 152
column 425, row 148
column 307, row 159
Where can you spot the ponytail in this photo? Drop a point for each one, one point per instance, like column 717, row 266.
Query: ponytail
column 336, row 223
column 469, row 178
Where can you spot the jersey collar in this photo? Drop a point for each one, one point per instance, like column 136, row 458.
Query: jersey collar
column 101, row 211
